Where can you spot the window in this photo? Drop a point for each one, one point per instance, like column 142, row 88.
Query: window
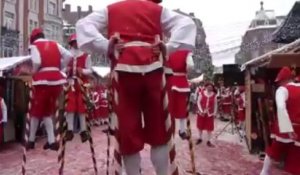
column 52, row 8
column 35, row 24
column 9, row 20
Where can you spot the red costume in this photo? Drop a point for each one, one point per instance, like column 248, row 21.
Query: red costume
column 48, row 58
column 75, row 98
column 135, row 28
column 288, row 113
column 135, row 88
column 226, row 101
column 178, row 84
column 47, row 80
column 102, row 110
column 207, row 105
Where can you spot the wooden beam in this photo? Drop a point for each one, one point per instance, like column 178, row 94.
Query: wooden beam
column 281, row 60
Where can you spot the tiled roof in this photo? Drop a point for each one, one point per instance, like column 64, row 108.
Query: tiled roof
column 289, row 31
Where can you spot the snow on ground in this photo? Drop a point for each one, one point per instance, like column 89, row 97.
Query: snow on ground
column 229, row 157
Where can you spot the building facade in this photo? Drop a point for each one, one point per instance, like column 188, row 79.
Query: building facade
column 10, row 24
column 258, row 38
column 19, row 17
column 69, row 21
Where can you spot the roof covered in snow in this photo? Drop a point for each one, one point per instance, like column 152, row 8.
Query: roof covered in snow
column 264, row 59
column 101, row 71
column 11, row 62
column 289, row 31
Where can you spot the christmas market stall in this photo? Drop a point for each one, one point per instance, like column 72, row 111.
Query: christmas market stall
column 14, row 91
column 260, row 74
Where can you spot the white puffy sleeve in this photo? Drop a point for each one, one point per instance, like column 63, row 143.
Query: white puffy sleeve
column 190, row 61
column 88, row 30
column 285, row 124
column 199, row 103
column 35, row 58
column 180, row 29
column 216, row 106
column 88, row 66
column 66, row 56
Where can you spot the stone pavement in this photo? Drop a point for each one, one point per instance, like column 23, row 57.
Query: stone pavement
column 229, row 157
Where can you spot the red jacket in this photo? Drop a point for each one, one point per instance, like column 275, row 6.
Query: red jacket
column 137, row 25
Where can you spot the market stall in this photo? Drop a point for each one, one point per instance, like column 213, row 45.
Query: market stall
column 260, row 74
column 14, row 92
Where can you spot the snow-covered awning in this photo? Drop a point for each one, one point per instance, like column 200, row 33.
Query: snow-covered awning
column 101, row 71
column 264, row 59
column 11, row 62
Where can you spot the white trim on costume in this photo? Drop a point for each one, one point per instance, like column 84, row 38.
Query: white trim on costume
column 280, row 139
column 49, row 83
column 178, row 89
column 179, row 74
column 138, row 68
column 45, row 69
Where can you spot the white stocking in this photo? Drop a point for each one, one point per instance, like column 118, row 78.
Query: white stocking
column 70, row 121
column 132, row 164
column 50, row 129
column 267, row 165
column 34, row 123
column 209, row 136
column 82, row 120
column 182, row 125
column 160, row 159
column 200, row 134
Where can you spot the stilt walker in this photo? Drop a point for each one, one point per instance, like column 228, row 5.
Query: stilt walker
column 179, row 88
column 286, row 130
column 48, row 58
column 79, row 68
column 138, row 74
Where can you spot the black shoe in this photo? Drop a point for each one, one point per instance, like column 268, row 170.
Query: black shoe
column 184, row 135
column 69, row 135
column 199, row 141
column 85, row 136
column 53, row 146
column 109, row 131
column 30, row 145
column 209, row 144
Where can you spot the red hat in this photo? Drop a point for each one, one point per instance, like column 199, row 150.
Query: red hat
column 284, row 74
column 156, row 1
column 34, row 33
column 72, row 38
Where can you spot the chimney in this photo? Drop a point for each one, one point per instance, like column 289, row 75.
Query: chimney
column 79, row 11
column 90, row 8
column 68, row 8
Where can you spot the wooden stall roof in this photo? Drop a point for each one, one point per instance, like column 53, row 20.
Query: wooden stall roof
column 280, row 60
column 11, row 62
column 264, row 60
